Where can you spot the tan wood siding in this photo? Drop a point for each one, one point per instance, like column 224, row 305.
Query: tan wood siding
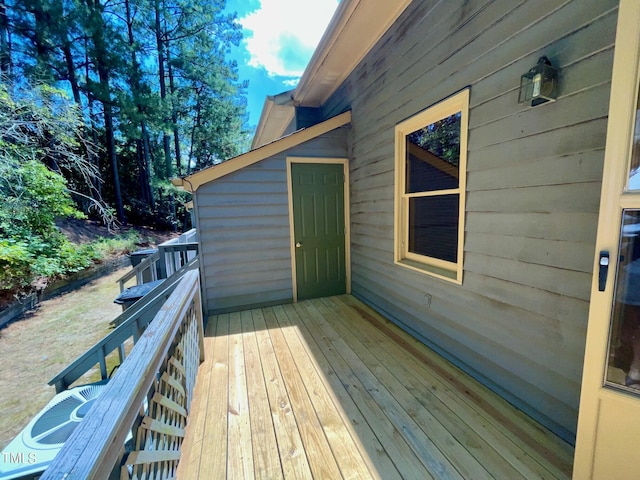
column 518, row 321
column 243, row 224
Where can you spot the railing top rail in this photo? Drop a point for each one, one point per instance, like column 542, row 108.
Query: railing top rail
column 170, row 281
column 187, row 237
column 177, row 247
column 171, row 241
column 93, row 448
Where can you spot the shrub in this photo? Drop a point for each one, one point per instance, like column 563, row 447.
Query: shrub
column 120, row 244
column 15, row 264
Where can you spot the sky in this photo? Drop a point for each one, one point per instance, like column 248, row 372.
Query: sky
column 279, row 38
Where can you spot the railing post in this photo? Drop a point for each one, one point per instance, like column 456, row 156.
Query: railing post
column 162, row 262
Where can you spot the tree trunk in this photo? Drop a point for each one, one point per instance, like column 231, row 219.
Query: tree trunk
column 95, row 159
column 43, row 51
column 71, row 71
column 105, row 98
column 5, row 44
column 166, row 140
column 110, row 142
column 144, row 172
column 196, row 125
column 174, row 116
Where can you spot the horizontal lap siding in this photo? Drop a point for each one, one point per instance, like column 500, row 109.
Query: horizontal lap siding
column 533, row 187
column 243, row 226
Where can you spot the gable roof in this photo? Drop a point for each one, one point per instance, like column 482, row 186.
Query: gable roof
column 191, row 182
column 354, row 29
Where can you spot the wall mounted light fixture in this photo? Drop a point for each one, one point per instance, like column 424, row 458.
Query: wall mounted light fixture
column 540, row 84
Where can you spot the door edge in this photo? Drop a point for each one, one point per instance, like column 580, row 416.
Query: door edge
column 624, row 86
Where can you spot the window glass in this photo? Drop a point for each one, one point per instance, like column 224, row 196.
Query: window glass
column 433, row 227
column 624, row 340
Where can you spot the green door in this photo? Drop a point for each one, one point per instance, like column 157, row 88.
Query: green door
column 319, row 229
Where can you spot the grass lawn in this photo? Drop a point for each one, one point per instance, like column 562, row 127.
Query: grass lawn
column 36, row 348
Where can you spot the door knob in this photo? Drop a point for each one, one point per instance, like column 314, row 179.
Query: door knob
column 298, row 244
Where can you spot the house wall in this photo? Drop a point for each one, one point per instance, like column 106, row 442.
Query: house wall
column 243, row 225
column 518, row 321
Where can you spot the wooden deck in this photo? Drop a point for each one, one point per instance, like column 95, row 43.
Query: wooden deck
column 328, row 388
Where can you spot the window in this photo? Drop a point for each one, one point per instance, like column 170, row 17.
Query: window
column 431, row 158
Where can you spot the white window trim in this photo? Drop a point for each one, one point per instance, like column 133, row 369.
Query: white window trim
column 450, row 271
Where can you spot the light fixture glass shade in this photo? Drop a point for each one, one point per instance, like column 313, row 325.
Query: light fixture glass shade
column 540, row 84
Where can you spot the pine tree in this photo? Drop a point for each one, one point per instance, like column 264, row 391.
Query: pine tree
column 151, row 79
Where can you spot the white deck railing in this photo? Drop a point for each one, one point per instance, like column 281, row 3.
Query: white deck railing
column 136, row 426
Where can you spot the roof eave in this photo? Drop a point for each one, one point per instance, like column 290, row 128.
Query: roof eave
column 355, row 28
column 191, row 182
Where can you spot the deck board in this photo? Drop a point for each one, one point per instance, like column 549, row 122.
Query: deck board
column 430, row 440
column 327, row 388
column 213, row 447
column 338, row 434
column 265, row 449
column 316, row 445
column 240, row 456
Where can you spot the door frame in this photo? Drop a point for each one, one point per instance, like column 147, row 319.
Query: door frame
column 347, row 218
column 624, row 95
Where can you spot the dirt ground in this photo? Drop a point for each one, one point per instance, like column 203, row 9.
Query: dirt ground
column 36, row 348
column 83, row 231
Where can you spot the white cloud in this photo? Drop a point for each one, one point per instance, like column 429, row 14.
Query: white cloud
column 282, row 35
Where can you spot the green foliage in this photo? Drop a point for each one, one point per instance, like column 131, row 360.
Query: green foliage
column 120, row 244
column 35, row 130
column 66, row 258
column 30, row 244
column 15, row 264
column 34, row 197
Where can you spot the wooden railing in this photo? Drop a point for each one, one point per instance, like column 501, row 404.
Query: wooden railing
column 170, row 257
column 174, row 256
column 147, row 401
column 145, row 271
column 129, row 327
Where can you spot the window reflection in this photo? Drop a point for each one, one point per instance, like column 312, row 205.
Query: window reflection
column 624, row 359
column 433, row 156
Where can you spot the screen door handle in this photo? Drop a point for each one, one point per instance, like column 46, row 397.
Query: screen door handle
column 603, row 270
